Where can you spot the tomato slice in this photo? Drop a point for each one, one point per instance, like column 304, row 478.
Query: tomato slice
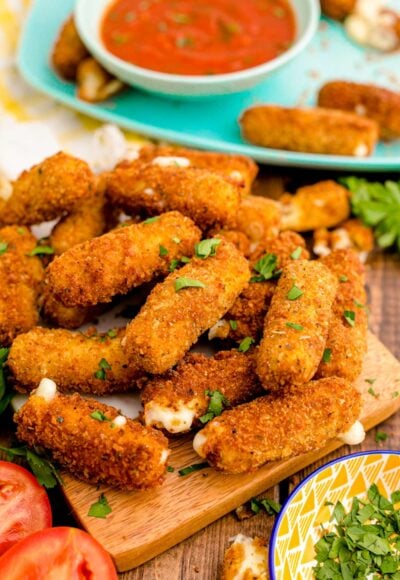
column 57, row 554
column 24, row 505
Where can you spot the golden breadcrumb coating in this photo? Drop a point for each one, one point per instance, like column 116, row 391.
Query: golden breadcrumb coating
column 207, row 197
column 238, row 239
column 371, row 101
column 120, row 260
column 239, row 169
column 72, row 360
column 47, row 190
column 279, row 426
column 172, row 320
column 59, row 315
column 317, row 130
column 351, row 234
column 296, row 325
column 94, row 83
column 246, row 559
column 21, row 277
column 347, row 343
column 322, row 205
column 259, row 218
column 337, row 9
column 68, row 51
column 232, row 373
column 128, row 457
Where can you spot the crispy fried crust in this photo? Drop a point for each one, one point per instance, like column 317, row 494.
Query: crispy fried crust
column 171, row 321
column 259, row 218
column 246, row 559
column 377, row 103
column 322, row 205
column 120, row 260
column 238, row 239
column 287, row 355
column 347, row 344
column 47, row 190
column 128, row 457
column 337, row 9
column 277, row 427
column 71, row 360
column 239, row 169
column 205, row 196
column 59, row 315
column 230, row 372
column 21, row 277
column 316, row 130
column 68, row 51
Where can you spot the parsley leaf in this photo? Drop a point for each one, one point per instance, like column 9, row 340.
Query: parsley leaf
column 350, row 317
column 246, row 344
column 163, row 251
column 233, row 324
column 294, row 326
column 266, row 268
column 3, row 248
column 372, row 392
column 173, row 265
column 99, row 416
column 170, row 469
column 183, row 282
column 151, row 220
column 343, row 278
column 103, row 367
column 370, row 381
column 294, row 293
column 297, row 253
column 381, row 436
column 269, row 505
column 326, row 357
column 101, row 508
column 192, row 468
column 206, row 248
column 41, row 251
column 44, row 471
column 217, row 403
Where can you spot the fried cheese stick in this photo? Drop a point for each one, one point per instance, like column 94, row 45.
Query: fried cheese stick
column 338, row 9
column 279, row 426
column 310, row 130
column 377, row 103
column 176, row 401
column 296, row 325
column 322, row 205
column 94, row 83
column 176, row 314
column 347, row 337
column 21, row 276
column 207, row 197
column 120, row 260
column 68, row 51
column 75, row 361
column 259, row 219
column 245, row 559
column 239, row 169
column 92, row 440
column 59, row 315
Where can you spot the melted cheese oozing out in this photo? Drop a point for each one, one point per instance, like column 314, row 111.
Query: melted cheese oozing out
column 164, row 456
column 171, row 161
column 219, row 330
column 321, row 249
column 354, row 435
column 361, row 150
column 198, row 443
column 119, row 421
column 173, row 421
column 254, row 559
column 5, row 187
column 236, row 176
column 47, row 389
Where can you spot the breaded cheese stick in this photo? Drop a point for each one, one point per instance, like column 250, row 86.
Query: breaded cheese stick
column 279, row 426
column 176, row 401
column 322, row 205
column 120, row 260
column 347, row 337
column 337, row 9
column 47, row 190
column 207, row 197
column 92, row 440
column 21, row 276
column 350, row 234
column 317, row 130
column 95, row 83
column 245, row 559
column 259, row 218
column 68, row 51
column 181, row 308
column 75, row 361
column 59, row 315
column 374, row 102
column 239, row 169
column 296, row 325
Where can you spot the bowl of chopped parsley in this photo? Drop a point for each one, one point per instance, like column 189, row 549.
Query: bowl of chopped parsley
column 341, row 522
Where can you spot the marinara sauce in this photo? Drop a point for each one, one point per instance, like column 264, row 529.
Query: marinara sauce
column 198, row 37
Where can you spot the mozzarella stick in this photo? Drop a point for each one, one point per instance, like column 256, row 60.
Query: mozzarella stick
column 92, row 364
column 245, row 559
column 120, row 260
column 181, row 308
column 21, row 276
column 92, row 440
column 296, row 325
column 169, row 183
column 338, row 9
column 68, row 51
column 239, row 169
column 317, row 130
column 259, row 218
column 59, row 315
column 47, row 190
column 176, row 401
column 377, row 103
column 347, row 338
column 279, row 426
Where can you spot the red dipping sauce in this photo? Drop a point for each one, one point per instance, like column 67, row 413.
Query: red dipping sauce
column 198, row 37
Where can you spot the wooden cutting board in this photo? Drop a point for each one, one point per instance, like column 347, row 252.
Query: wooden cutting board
column 144, row 524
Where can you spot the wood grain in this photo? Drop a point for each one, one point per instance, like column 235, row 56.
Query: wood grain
column 144, row 524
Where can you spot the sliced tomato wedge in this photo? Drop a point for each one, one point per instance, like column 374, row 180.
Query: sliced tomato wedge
column 57, row 554
column 24, row 505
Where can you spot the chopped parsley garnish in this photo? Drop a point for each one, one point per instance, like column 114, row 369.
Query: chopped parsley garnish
column 372, row 392
column 359, row 305
column 170, row 469
column 99, row 416
column 3, row 248
column 163, row 251
column 343, row 278
column 206, row 248
column 216, row 405
column 21, row 231
column 294, row 293
column 41, row 251
column 381, row 436
column 101, row 508
column 395, row 394
column 266, row 268
column 192, row 468
column 245, row 344
column 297, row 253
column 269, row 505
column 294, row 326
column 151, row 220
column 370, row 381
column 185, row 260
column 111, row 333
column 44, row 471
column 173, row 265
column 176, row 240
column 233, row 324
column 350, row 317
column 103, row 367
column 183, row 282
column 60, row 419
column 326, row 357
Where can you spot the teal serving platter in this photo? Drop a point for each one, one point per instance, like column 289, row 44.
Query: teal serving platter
column 211, row 122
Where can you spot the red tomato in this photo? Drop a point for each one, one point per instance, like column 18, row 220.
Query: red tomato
column 57, row 554
column 24, row 505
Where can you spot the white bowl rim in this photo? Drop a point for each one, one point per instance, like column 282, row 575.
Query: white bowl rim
column 98, row 50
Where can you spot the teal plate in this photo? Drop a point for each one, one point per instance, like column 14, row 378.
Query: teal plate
column 212, row 123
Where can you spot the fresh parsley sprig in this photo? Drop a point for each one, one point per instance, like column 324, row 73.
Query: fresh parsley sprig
column 217, row 403
column 44, row 471
column 101, row 508
column 266, row 268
